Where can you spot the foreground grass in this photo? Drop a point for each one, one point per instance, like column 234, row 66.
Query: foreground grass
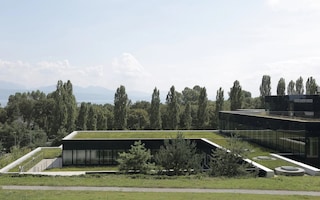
column 305, row 183
column 85, row 195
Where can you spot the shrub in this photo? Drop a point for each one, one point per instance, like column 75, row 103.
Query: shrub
column 136, row 160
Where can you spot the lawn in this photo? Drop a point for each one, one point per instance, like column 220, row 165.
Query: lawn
column 305, row 183
column 210, row 135
column 85, row 195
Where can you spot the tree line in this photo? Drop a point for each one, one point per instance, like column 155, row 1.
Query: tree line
column 34, row 118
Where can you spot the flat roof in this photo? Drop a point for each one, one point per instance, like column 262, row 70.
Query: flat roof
column 151, row 134
column 263, row 114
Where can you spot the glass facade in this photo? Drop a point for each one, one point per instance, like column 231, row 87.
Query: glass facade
column 105, row 151
column 289, row 125
column 90, row 157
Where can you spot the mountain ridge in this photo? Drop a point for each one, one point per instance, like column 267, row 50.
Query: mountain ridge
column 90, row 94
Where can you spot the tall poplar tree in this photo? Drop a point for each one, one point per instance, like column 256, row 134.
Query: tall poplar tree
column 219, row 104
column 311, row 86
column 71, row 105
column 291, row 88
column 92, row 118
column 265, row 89
column 155, row 115
column 235, row 96
column 64, row 112
column 281, row 88
column 172, row 109
column 202, row 113
column 186, row 120
column 120, row 108
column 82, row 117
column 299, row 86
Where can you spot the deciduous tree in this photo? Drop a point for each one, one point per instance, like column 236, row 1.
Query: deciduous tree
column 186, row 120
column 235, row 96
column 219, row 105
column 155, row 115
column 265, row 89
column 291, row 88
column 120, row 108
column 173, row 109
column 202, row 113
column 311, row 86
column 299, row 86
column 281, row 88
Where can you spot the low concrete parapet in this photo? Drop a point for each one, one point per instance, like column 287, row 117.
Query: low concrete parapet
column 313, row 171
column 20, row 160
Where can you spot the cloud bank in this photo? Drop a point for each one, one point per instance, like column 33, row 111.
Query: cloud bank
column 125, row 70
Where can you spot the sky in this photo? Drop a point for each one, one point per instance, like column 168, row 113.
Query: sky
column 144, row 44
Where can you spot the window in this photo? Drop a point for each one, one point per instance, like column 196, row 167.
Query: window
column 312, row 147
column 67, row 157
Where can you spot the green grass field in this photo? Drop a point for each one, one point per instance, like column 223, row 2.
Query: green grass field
column 305, row 183
column 90, row 195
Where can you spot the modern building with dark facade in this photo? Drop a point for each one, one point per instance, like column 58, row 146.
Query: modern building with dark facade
column 289, row 125
column 104, row 151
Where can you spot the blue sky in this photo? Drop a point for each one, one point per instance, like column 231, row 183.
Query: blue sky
column 144, row 44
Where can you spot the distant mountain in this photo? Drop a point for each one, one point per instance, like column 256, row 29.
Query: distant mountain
column 93, row 94
column 8, row 86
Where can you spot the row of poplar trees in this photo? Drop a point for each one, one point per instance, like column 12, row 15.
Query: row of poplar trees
column 34, row 118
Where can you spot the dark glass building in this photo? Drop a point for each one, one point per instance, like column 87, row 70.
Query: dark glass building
column 86, row 152
column 289, row 125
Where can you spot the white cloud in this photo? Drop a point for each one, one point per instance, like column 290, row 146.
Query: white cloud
column 128, row 65
column 294, row 5
column 125, row 70
column 44, row 73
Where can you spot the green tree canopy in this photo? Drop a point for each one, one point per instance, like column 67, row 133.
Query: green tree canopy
column 229, row 161
column 219, row 105
column 281, row 88
column 202, row 113
column 235, row 96
column 173, row 109
column 291, row 88
column 82, row 117
column 311, row 86
column 299, row 86
column 120, row 108
column 186, row 119
column 155, row 114
column 265, row 88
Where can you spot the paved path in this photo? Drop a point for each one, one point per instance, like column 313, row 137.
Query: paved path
column 176, row 190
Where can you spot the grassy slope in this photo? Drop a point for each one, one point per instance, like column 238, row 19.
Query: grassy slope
column 84, row 195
